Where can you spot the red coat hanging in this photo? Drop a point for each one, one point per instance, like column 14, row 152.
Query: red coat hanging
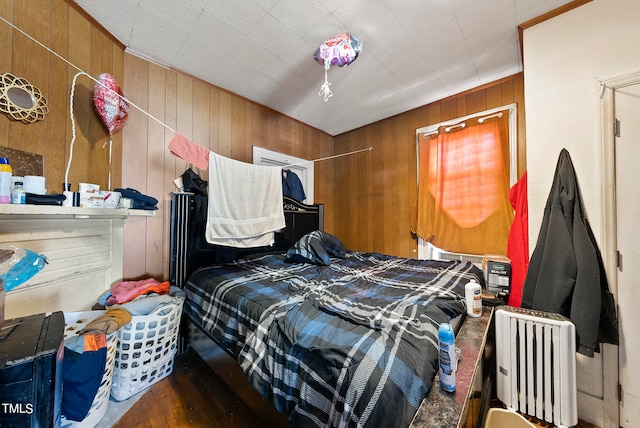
column 518, row 243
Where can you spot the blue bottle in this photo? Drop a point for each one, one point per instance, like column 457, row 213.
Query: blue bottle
column 447, row 357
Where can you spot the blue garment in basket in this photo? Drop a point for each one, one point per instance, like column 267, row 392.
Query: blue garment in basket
column 85, row 357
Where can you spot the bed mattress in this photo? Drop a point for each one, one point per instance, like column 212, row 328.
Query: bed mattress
column 349, row 344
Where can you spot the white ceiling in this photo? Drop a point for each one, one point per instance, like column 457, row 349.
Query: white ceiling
column 413, row 51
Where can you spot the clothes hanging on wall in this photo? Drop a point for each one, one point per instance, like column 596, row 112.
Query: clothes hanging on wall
column 186, row 149
column 566, row 272
column 292, row 186
column 518, row 243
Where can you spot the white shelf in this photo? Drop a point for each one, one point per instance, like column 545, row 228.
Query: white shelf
column 53, row 211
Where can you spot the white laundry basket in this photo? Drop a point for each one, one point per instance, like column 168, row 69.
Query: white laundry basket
column 146, row 350
column 499, row 418
column 74, row 322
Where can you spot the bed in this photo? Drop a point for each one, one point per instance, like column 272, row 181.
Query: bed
column 330, row 337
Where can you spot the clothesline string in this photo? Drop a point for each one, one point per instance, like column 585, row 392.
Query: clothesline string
column 86, row 74
column 368, row 149
column 139, row 108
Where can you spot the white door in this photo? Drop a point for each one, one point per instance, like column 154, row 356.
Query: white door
column 627, row 154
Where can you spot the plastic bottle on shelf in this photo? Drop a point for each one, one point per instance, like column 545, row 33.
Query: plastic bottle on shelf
column 5, row 181
column 18, row 194
column 473, row 298
column 66, row 191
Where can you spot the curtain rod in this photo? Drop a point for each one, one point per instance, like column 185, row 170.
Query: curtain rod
column 462, row 124
column 482, row 119
column 457, row 125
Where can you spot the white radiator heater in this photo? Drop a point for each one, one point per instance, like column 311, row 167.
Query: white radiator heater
column 536, row 364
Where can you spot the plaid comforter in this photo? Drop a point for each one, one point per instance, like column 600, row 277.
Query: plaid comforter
column 349, row 344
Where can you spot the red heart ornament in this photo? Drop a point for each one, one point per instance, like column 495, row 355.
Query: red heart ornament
column 110, row 102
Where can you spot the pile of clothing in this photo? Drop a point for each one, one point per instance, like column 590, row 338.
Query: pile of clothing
column 142, row 297
column 85, row 357
column 85, row 354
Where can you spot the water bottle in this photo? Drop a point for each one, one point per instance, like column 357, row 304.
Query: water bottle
column 473, row 298
column 447, row 357
column 5, row 181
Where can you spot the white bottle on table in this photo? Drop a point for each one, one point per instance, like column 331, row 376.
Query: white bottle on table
column 473, row 298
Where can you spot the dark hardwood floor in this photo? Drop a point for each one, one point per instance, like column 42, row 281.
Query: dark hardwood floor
column 195, row 396
column 192, row 396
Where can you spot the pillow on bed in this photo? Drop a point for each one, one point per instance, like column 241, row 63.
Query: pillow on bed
column 316, row 247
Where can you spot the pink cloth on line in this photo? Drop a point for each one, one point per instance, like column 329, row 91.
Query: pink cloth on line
column 126, row 291
column 186, row 149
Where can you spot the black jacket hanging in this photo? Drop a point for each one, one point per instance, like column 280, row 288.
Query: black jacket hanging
column 292, row 186
column 566, row 273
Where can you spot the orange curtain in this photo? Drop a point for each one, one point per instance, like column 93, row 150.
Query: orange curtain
column 463, row 189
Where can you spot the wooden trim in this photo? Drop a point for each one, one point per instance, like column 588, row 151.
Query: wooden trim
column 73, row 5
column 553, row 13
column 545, row 17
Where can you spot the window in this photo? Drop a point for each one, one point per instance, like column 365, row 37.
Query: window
column 464, row 176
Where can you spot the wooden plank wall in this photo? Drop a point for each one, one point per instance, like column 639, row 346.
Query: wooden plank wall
column 213, row 118
column 369, row 197
column 63, row 30
column 375, row 192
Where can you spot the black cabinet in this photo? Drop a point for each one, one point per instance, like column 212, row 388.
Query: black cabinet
column 31, row 352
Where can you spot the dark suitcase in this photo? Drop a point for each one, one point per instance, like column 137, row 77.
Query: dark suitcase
column 31, row 352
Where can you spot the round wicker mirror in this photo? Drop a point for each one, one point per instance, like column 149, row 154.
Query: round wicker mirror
column 21, row 100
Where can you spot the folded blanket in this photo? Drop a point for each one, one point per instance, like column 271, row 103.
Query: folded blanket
column 245, row 203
